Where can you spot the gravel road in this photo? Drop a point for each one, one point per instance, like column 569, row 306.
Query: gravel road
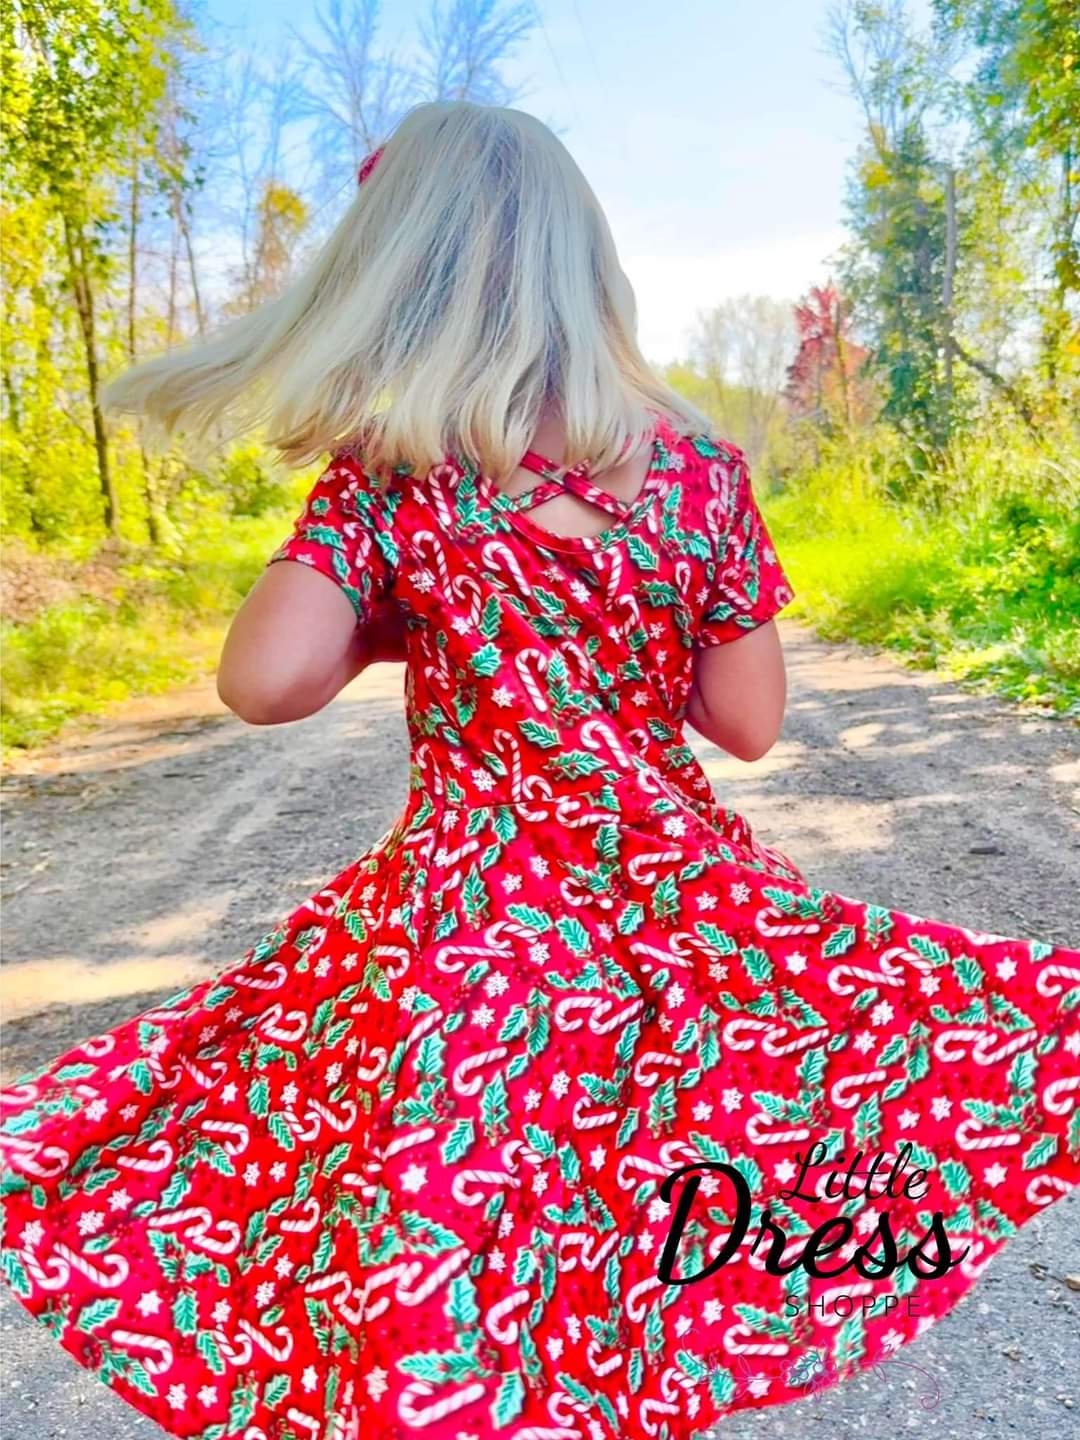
column 153, row 848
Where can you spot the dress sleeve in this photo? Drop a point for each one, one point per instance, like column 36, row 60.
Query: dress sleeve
column 343, row 532
column 748, row 585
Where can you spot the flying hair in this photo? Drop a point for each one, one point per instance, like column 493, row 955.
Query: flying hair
column 472, row 283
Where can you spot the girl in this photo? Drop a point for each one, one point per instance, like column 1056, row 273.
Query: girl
column 569, row 1109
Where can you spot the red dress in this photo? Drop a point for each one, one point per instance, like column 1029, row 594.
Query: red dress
column 404, row 1169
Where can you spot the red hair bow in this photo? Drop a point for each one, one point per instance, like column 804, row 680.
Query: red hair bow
column 368, row 165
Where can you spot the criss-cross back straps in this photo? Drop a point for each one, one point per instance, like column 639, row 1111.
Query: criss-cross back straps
column 556, row 480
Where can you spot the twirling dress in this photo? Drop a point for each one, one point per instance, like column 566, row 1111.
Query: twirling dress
column 400, row 1172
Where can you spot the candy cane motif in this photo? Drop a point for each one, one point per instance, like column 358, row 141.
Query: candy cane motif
column 305, row 1421
column 972, row 1266
column 636, row 1303
column 99, row 1046
column 568, row 812
column 401, row 1271
column 647, row 1067
column 30, row 1157
column 850, row 1090
column 771, row 1043
column 21, row 1095
column 547, row 1432
column 53, row 1271
column 379, row 1060
column 741, row 1340
column 279, row 1352
column 158, row 1156
column 442, row 483
column 666, row 957
column 583, row 1241
column 888, row 973
column 762, row 1129
column 596, row 1007
column 504, row 743
column 308, row 1219
column 985, row 1052
column 316, row 1113
column 337, row 1289
column 952, row 1044
column 577, row 892
column 1060, row 1097
column 683, row 578
column 434, row 1281
column 438, row 555
column 396, row 953
column 495, row 553
column 236, row 1135
column 468, row 1077
column 649, row 1408
column 743, row 1033
column 638, row 867
column 286, row 1035
column 217, row 1237
column 584, row 1121
column 271, row 976
column 503, row 1330
column 776, row 925
column 1053, row 979
column 523, row 661
column 969, row 1136
column 598, row 734
column 631, row 1166
column 452, row 958
column 598, row 1366
column 417, row 1415
column 466, row 1184
column 581, row 661
column 1045, row 1189
column 675, row 1153
column 156, row 1353
column 464, row 584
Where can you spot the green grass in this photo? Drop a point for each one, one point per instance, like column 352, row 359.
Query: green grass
column 162, row 627
column 976, row 572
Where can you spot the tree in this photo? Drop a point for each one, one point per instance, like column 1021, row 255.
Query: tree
column 825, row 383
column 85, row 80
column 743, row 347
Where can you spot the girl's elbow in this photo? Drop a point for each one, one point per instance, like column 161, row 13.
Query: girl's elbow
column 752, row 746
column 253, row 704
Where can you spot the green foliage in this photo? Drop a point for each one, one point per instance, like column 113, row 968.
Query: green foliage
column 974, row 568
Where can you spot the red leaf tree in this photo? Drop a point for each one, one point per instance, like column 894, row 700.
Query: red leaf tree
column 825, row 383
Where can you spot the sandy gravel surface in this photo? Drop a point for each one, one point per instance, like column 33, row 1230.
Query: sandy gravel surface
column 152, row 849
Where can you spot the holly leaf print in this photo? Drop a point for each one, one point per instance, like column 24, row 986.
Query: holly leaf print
column 510, row 1399
column 97, row 1313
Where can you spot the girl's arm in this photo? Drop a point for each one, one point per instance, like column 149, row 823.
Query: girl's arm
column 295, row 643
column 739, row 691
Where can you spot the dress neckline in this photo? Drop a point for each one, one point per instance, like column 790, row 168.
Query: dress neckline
column 635, row 509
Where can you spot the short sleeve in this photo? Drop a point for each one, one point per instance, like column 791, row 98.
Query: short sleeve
column 749, row 585
column 344, row 533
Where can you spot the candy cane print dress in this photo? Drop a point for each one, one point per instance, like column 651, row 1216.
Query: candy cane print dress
column 400, row 1171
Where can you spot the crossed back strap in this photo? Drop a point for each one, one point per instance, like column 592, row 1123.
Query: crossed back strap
column 555, row 480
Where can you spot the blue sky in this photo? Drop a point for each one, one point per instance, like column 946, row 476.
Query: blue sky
column 715, row 133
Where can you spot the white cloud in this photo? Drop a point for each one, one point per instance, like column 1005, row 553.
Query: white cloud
column 671, row 289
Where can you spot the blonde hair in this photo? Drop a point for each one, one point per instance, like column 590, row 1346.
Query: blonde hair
column 472, row 282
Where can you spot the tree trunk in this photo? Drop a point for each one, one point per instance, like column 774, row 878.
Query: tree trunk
column 83, row 291
column 948, row 287
column 185, row 231
column 152, row 524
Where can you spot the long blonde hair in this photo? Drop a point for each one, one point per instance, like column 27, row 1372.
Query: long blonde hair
column 471, row 283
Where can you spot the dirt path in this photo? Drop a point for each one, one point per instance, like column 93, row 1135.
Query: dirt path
column 151, row 850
